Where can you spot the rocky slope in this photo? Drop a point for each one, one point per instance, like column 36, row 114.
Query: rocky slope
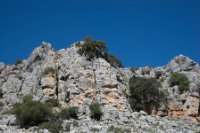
column 69, row 77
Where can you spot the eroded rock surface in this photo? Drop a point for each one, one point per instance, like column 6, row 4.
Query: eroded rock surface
column 74, row 81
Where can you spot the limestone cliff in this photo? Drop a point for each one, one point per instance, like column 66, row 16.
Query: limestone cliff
column 68, row 77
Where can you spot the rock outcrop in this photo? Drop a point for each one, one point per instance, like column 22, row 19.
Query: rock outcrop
column 186, row 104
column 68, row 77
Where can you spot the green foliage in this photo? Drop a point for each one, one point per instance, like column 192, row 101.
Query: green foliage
column 71, row 112
column 181, row 80
column 114, row 61
column 144, row 94
column 96, row 112
column 31, row 113
column 27, row 98
column 97, row 49
column 49, row 70
column 52, row 126
column 53, row 102
column 93, row 49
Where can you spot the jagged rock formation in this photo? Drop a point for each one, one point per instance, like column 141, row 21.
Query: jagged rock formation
column 68, row 77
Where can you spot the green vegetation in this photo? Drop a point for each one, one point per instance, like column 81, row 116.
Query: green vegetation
column 92, row 49
column 96, row 112
column 17, row 62
column 114, row 61
column 71, row 112
column 52, row 126
column 31, row 113
column 53, row 102
column 181, row 80
column 27, row 98
column 144, row 94
column 49, row 70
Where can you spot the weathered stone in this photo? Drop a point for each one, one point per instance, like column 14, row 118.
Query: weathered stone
column 78, row 82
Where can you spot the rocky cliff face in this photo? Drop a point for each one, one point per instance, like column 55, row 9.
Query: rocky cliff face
column 68, row 77
column 177, row 104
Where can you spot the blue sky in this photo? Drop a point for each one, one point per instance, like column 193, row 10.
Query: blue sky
column 139, row 32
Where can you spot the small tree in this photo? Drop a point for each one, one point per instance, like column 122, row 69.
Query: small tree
column 93, row 49
column 97, row 49
column 181, row 80
column 144, row 94
column 95, row 109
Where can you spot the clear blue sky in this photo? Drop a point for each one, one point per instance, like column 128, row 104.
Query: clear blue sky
column 140, row 32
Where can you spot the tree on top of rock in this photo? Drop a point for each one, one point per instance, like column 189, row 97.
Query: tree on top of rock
column 93, row 49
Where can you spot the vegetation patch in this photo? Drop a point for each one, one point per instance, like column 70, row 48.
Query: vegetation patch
column 52, row 126
column 96, row 112
column 93, row 49
column 48, row 71
column 144, row 94
column 181, row 80
column 31, row 113
column 71, row 112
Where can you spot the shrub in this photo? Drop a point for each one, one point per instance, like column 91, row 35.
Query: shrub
column 49, row 70
column 31, row 113
column 114, row 61
column 144, row 94
column 71, row 112
column 53, row 102
column 17, row 62
column 52, row 126
column 27, row 98
column 181, row 80
column 95, row 109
